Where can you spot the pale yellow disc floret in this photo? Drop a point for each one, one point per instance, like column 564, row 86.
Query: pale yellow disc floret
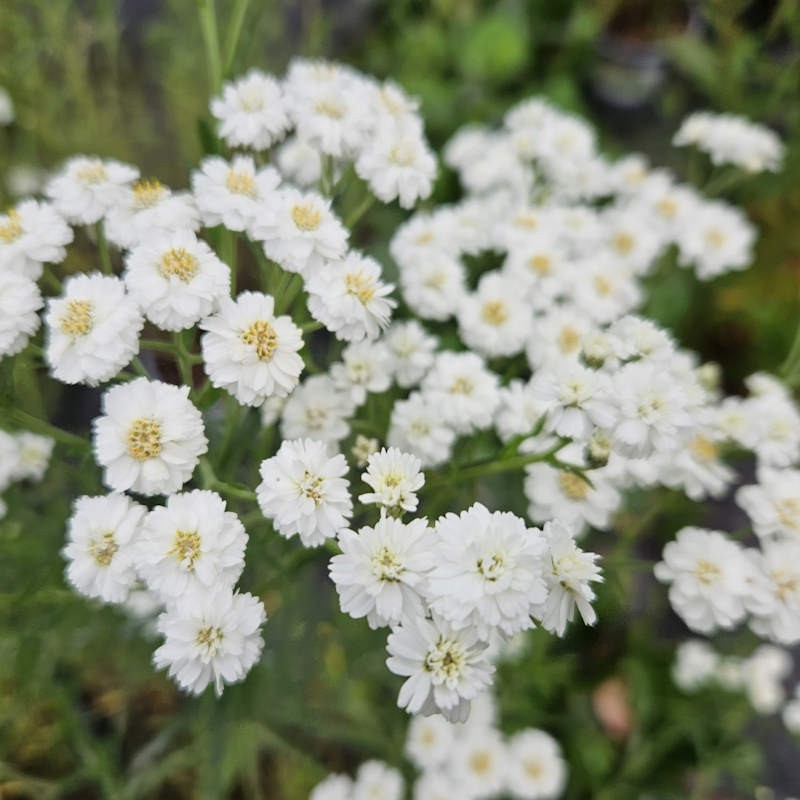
column 263, row 338
column 77, row 318
column 144, row 439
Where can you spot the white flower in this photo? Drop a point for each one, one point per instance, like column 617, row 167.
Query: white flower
column 364, row 369
column 380, row 570
column 395, row 478
column 791, row 712
column 318, row 410
column 9, row 456
column 411, row 349
column 377, row 781
column 398, row 164
column 569, row 574
column 87, row 187
column 775, row 604
column 149, row 438
column 709, row 579
column 32, row 234
column 433, row 286
column 479, row 762
column 418, row 426
column 101, row 537
column 557, row 336
column 631, row 238
column 519, row 412
column 252, row 111
column 535, row 767
column 488, row 571
column 7, row 114
column 429, row 741
column 33, row 456
column 696, row 664
column 234, row 193
column 215, row 637
column 774, row 430
column 436, row 784
column 349, row 298
column 301, row 232
column 445, row 668
column 696, row 467
column 149, row 208
column 20, row 300
column 541, row 265
column 176, row 279
column 606, row 290
column 190, row 546
column 774, row 503
column 299, row 162
column 303, row 491
column 495, row 321
column 464, row 389
column 250, row 352
column 334, row 787
column 362, row 449
column 763, row 674
column 92, row 330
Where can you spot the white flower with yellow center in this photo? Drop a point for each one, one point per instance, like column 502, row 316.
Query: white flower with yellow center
column 632, row 241
column 149, row 437
column 424, row 236
column 316, row 409
column 434, row 286
column 429, row 742
column 395, row 478
column 709, row 579
column 100, row 549
column 774, row 430
column 303, row 491
column 417, row 425
column 334, row 787
column 364, row 369
column 250, row 352
column 376, row 780
column 176, row 279
column 444, row 668
column 20, row 300
column 215, row 637
column 380, row 571
column 33, row 456
column 488, row 571
column 774, row 604
column 541, row 265
column 696, row 467
column 569, row 573
column 86, row 188
column 773, row 504
column 605, row 289
column 478, row 762
column 464, row 388
column 92, row 331
column 234, row 193
column 190, row 546
column 349, row 298
column 558, row 336
column 411, row 350
column 520, row 412
column 536, row 769
column 149, row 208
column 252, row 111
column 32, row 234
column 299, row 162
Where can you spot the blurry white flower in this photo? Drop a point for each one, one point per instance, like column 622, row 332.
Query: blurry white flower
column 299, row 162
column 411, row 350
column 773, row 504
column 535, row 765
column 376, row 780
column 364, row 369
column 20, row 300
column 318, row 410
column 33, row 456
column 695, row 664
column 417, row 425
column 32, row 234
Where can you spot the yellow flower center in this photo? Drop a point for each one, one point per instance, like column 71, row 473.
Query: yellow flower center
column 91, row 173
column 306, row 216
column 540, row 264
column 263, row 337
column 209, row 638
column 179, row 263
column 386, row 566
column 527, row 221
column 144, row 439
column 425, row 237
column 667, row 207
column 402, row 154
column 240, row 182
column 360, row 285
column 787, row 583
column 311, row 487
column 623, row 242
column 77, row 318
column 603, row 285
column 103, row 548
column 445, row 659
column 789, row 512
column 706, row 572
column 147, row 193
column 493, row 567
column 703, row 449
column 462, row 385
column 330, row 107
column 185, row 548
column 495, row 312
column 573, row 485
column 568, row 339
column 715, row 238
column 533, row 768
column 11, row 228
column 480, row 762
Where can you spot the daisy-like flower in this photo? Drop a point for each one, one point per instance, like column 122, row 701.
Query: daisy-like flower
column 435, row 286
column 488, row 571
column 303, row 491
column 252, row 111
column 362, row 449
column 709, row 577
column 395, row 478
column 20, row 300
column 429, row 742
column 33, row 456
column 479, row 762
column 92, row 330
column 398, row 164
column 31, row 234
column 535, row 767
column 697, row 467
column 763, row 674
column 86, row 188
column 176, row 279
column 349, row 298
column 9, row 454
column 215, row 637
column 299, row 162
column 250, row 352
column 437, row 784
column 376, row 780
column 364, row 369
column 418, row 425
column 380, row 570
column 775, row 602
column 149, row 208
column 318, row 410
column 569, row 574
column 100, row 549
column 334, row 787
column 494, row 320
column 411, row 350
column 190, row 546
column 695, row 664
column 149, row 438
column 234, row 193
column 464, row 388
column 302, row 231
column 774, row 430
column 773, row 504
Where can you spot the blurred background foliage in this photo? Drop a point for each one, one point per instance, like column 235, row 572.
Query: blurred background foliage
column 82, row 715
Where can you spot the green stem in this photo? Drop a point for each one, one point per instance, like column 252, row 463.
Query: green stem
column 208, row 24
column 310, row 327
column 49, row 277
column 360, row 210
column 139, row 368
column 37, row 425
column 209, row 480
column 102, row 246
column 287, row 292
column 234, row 31
column 183, row 358
column 790, row 369
column 326, row 177
column 229, row 256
